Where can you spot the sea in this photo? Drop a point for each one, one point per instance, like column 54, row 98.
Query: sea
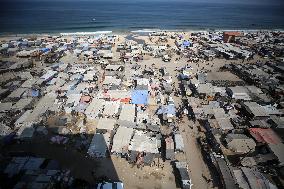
column 56, row 16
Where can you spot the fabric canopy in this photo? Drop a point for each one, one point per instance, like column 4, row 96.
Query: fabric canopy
column 140, row 97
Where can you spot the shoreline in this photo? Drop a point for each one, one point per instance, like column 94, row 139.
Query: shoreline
column 126, row 32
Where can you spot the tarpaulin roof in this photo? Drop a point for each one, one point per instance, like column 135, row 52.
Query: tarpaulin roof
column 168, row 109
column 265, row 135
column 235, row 33
column 186, row 43
column 24, row 42
column 139, row 97
column 45, row 50
column 35, row 93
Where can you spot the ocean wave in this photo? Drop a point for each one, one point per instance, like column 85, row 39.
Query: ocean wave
column 84, row 27
column 87, row 33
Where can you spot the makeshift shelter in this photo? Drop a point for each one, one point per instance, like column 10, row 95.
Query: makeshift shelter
column 117, row 95
column 127, row 112
column 255, row 110
column 17, row 93
column 99, row 145
column 139, row 97
column 225, row 124
column 251, row 178
column 239, row 93
column 6, row 106
column 168, row 111
column 121, row 140
column 267, row 136
column 143, row 143
column 186, row 44
column 111, row 108
column 22, row 104
column 240, row 143
column 230, row 36
column 170, row 148
column 48, row 75
column 179, row 145
column 226, row 174
column 183, row 174
column 277, row 150
column 94, row 109
column 106, row 124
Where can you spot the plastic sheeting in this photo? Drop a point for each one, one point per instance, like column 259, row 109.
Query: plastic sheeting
column 265, row 135
column 44, row 50
column 35, row 93
column 140, row 97
column 169, row 109
column 186, row 43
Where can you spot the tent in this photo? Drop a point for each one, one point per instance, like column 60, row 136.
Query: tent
column 140, row 97
column 168, row 109
column 35, row 93
column 265, row 135
column 44, row 50
column 186, row 43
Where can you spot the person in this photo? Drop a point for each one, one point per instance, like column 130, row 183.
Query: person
column 178, row 114
column 185, row 111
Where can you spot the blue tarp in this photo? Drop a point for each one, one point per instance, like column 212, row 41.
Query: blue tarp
column 169, row 109
column 186, row 43
column 160, row 111
column 85, row 47
column 182, row 76
column 64, row 47
column 44, row 50
column 23, row 43
column 35, row 93
column 94, row 50
column 139, row 97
